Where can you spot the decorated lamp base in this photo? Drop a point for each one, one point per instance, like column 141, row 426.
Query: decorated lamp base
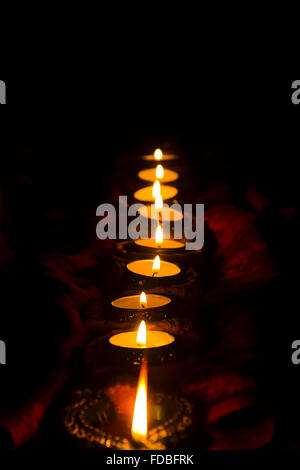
column 100, row 420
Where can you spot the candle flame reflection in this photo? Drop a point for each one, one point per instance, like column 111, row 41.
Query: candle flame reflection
column 139, row 426
column 159, row 235
column 141, row 337
column 156, row 265
column 156, row 189
column 158, row 154
column 159, row 171
column 143, row 300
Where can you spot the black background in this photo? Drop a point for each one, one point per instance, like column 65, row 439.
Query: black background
column 69, row 128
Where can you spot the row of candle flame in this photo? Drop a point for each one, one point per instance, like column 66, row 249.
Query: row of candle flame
column 156, row 192
column 139, row 427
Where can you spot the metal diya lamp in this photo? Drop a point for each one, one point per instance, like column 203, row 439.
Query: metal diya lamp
column 159, row 211
column 143, row 345
column 150, row 307
column 126, row 418
column 149, row 193
column 154, row 272
column 159, row 173
column 148, row 169
column 158, row 156
column 159, row 243
column 168, row 248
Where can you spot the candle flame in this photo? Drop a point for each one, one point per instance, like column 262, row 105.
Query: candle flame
column 141, row 337
column 158, row 154
column 159, row 235
column 156, row 265
column 143, row 300
column 158, row 202
column 156, row 189
column 139, row 426
column 159, row 171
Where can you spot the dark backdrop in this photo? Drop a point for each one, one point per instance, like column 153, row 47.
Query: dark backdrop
column 63, row 135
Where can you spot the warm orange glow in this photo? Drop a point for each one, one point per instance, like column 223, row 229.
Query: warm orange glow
column 141, row 337
column 158, row 203
column 139, row 427
column 158, row 154
column 159, row 173
column 156, row 265
column 156, row 189
column 143, row 300
column 159, row 235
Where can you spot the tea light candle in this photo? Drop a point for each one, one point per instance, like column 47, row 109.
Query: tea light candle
column 159, row 242
column 150, row 307
column 165, row 214
column 142, row 339
column 158, row 155
column 156, row 268
column 138, row 302
column 164, row 245
column 148, row 195
column 159, row 173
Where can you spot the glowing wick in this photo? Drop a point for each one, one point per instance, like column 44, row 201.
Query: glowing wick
column 158, row 154
column 143, row 300
column 159, row 235
column 141, row 337
column 139, row 423
column 159, row 172
column 156, row 189
column 156, row 265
